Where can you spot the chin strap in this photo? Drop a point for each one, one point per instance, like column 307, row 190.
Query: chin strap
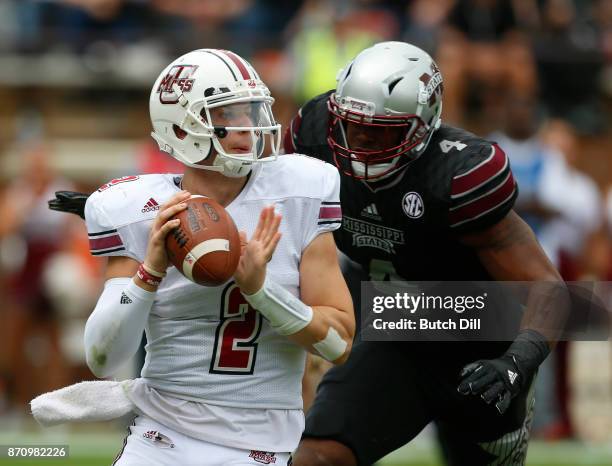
column 231, row 168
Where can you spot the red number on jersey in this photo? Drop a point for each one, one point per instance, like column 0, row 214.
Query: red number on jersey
column 123, row 179
column 236, row 337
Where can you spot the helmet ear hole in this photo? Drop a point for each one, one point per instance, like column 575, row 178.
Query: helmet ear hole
column 394, row 83
column 178, row 132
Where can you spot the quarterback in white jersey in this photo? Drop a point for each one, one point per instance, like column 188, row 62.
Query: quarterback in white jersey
column 222, row 377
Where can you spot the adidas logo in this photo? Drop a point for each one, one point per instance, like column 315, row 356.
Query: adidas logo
column 512, row 376
column 371, row 211
column 150, row 206
column 125, row 299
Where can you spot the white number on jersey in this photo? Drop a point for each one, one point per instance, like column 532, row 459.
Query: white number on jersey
column 235, row 346
column 447, row 145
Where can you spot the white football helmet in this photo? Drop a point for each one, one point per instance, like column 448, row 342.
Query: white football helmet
column 186, row 92
column 390, row 88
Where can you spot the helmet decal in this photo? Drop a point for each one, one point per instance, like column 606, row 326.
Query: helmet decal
column 433, row 83
column 181, row 75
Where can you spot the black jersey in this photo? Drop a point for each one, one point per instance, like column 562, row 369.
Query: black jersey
column 409, row 226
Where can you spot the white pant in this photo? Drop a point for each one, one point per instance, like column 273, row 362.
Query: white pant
column 153, row 444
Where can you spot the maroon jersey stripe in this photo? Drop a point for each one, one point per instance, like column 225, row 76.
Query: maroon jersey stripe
column 492, row 166
column 327, row 212
column 105, row 243
column 238, row 62
column 485, row 203
column 465, row 200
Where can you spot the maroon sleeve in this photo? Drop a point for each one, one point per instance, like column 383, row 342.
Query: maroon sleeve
column 291, row 134
column 483, row 194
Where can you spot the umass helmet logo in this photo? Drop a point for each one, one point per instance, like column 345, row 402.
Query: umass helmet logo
column 181, row 75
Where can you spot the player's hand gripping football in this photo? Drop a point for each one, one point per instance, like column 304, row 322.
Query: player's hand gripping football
column 257, row 252
column 495, row 380
column 157, row 257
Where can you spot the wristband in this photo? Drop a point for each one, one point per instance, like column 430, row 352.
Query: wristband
column 153, row 272
column 147, row 277
column 286, row 313
column 332, row 346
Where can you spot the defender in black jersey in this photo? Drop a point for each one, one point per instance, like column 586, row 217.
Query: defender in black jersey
column 420, row 201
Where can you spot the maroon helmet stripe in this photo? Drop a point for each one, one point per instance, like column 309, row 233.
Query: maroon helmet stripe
column 479, row 175
column 484, row 204
column 238, row 62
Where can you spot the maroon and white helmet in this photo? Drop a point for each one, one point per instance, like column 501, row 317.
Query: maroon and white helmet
column 180, row 107
column 391, row 85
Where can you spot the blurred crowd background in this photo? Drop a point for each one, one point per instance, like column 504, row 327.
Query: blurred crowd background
column 75, row 75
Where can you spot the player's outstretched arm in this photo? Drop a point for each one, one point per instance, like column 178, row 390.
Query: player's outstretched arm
column 114, row 329
column 510, row 252
column 323, row 320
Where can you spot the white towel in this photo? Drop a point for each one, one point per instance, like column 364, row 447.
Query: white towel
column 100, row 400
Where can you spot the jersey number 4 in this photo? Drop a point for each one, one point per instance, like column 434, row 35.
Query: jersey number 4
column 446, row 145
column 235, row 346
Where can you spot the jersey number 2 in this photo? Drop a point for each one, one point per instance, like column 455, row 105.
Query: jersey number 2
column 235, row 346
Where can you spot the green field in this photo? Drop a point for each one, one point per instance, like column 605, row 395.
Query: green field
column 97, row 445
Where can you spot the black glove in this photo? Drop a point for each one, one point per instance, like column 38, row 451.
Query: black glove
column 496, row 380
column 499, row 380
column 69, row 201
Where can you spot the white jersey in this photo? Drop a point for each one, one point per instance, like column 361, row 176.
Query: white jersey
column 206, row 344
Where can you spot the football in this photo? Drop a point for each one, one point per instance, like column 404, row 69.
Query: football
column 205, row 247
